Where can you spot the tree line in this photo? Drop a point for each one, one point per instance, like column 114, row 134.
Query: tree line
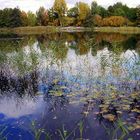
column 80, row 15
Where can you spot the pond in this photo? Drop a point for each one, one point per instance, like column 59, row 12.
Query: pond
column 70, row 86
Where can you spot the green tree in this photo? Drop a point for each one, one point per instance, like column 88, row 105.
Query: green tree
column 10, row 17
column 118, row 9
column 60, row 8
column 15, row 18
column 102, row 12
column 5, row 17
column 138, row 15
column 73, row 12
column 31, row 19
column 132, row 14
column 94, row 8
column 119, row 12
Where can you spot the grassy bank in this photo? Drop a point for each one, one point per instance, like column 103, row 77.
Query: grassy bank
column 29, row 30
column 53, row 29
column 42, row 30
column 124, row 30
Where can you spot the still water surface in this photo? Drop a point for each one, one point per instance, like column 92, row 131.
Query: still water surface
column 69, row 86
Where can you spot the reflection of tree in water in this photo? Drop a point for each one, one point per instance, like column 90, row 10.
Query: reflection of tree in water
column 130, row 43
column 27, row 84
column 117, row 43
column 111, row 37
column 59, row 50
column 84, row 41
column 59, row 40
column 8, row 45
column 81, row 48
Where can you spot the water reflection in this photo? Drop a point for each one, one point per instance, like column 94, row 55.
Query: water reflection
column 84, row 81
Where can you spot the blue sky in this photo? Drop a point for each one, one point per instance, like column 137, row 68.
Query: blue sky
column 33, row 5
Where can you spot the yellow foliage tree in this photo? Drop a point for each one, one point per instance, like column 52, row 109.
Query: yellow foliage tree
column 114, row 21
column 60, row 7
column 83, row 11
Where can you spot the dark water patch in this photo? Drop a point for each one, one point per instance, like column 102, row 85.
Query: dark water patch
column 10, row 37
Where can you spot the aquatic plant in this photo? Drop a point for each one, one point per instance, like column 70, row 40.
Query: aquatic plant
column 39, row 132
column 3, row 133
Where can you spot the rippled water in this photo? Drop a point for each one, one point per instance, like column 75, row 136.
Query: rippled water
column 70, row 86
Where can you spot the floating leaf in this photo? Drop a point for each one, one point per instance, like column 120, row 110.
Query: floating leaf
column 104, row 111
column 55, row 81
column 130, row 128
column 110, row 117
column 119, row 112
column 104, row 106
column 63, row 87
column 130, row 139
column 58, row 93
column 136, row 126
column 85, row 113
column 136, row 110
column 126, row 107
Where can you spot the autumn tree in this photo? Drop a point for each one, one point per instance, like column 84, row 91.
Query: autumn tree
column 42, row 16
column 96, row 14
column 24, row 18
column 60, row 8
column 114, row 21
column 97, row 20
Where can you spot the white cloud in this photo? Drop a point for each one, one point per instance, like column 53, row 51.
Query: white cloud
column 33, row 5
column 14, row 107
column 26, row 5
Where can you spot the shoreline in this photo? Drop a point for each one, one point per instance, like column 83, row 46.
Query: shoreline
column 54, row 29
